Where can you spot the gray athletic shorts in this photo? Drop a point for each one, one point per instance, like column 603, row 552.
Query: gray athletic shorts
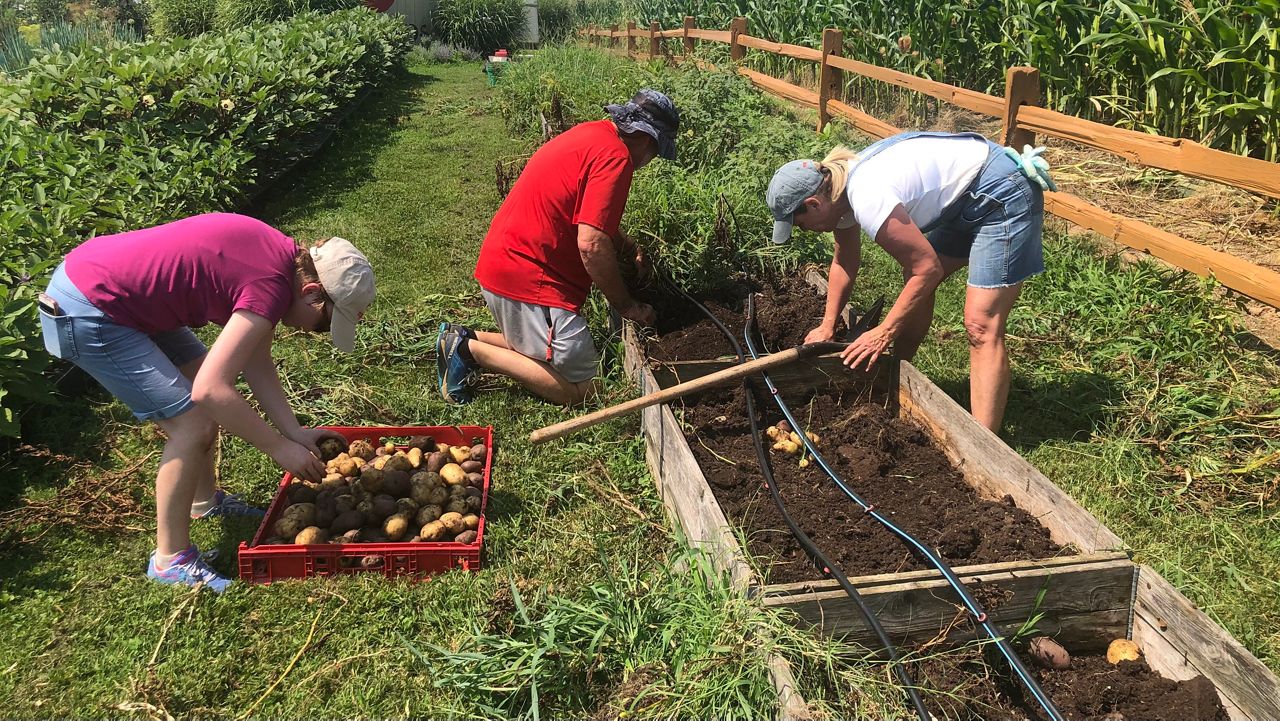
column 552, row 335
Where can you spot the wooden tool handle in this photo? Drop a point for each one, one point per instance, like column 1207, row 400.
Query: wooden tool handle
column 710, row 380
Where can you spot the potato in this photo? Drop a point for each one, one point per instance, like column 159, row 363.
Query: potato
column 453, row 474
column 415, row 457
column 331, row 476
column 456, row 491
column 352, row 536
column 465, row 537
column 473, row 504
column 344, row 503
column 475, row 480
column 472, row 492
column 457, row 505
column 479, row 452
column 459, row 453
column 361, row 449
column 1122, row 649
column 325, row 516
column 432, row 531
column 383, row 506
column 472, row 466
column 398, row 462
column 1048, row 653
column 274, row 541
column 335, row 485
column 369, row 534
column 371, row 561
column 395, row 483
column 330, row 448
column 300, row 493
column 471, row 521
column 311, row 534
column 407, row 506
column 436, row 461
column 304, row 512
column 422, row 487
column 395, row 527
column 365, row 508
column 438, row 496
column 347, row 521
column 426, row 444
column 349, row 466
column 452, row 522
column 427, row 514
column 372, row 479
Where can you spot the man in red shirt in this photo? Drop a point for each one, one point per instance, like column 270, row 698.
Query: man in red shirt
column 555, row 235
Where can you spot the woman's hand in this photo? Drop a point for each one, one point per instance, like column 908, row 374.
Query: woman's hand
column 310, row 438
column 821, row 334
column 867, row 347
column 297, row 459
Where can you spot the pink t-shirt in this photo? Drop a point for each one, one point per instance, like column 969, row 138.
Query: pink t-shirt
column 189, row 272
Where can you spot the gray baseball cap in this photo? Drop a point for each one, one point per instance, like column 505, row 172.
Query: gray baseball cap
column 793, row 182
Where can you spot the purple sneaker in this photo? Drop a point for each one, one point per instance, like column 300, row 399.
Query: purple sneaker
column 229, row 504
column 188, row 569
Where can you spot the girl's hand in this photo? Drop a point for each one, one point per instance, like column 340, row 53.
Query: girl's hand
column 867, row 347
column 310, row 438
column 298, row 460
column 821, row 334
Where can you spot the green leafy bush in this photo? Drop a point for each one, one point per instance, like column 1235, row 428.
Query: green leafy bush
column 482, row 25
column 124, row 136
column 232, row 14
column 181, row 18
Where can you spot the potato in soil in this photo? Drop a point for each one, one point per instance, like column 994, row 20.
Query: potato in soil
column 311, row 534
column 331, row 448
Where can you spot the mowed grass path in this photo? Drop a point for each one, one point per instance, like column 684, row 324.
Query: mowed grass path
column 83, row 634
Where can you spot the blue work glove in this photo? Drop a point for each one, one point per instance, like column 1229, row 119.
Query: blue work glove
column 1033, row 166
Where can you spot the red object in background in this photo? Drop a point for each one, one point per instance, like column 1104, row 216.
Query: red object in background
column 502, row 53
column 264, row 564
column 380, row 5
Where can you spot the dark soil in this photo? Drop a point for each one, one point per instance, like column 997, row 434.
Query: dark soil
column 1090, row 690
column 788, row 309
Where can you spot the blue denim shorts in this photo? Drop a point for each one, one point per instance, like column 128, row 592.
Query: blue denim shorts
column 996, row 224
column 141, row 370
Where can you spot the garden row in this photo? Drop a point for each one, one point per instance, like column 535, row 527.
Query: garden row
column 129, row 135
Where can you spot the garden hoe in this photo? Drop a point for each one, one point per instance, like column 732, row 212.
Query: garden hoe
column 808, row 350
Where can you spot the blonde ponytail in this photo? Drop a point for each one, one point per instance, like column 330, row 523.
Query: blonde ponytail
column 836, row 165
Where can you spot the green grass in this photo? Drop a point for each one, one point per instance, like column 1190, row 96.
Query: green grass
column 612, row 612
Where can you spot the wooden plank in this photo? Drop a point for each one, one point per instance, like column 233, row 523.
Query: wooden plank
column 715, row 36
column 681, row 483
column 1239, row 275
column 688, row 499
column 798, row 52
column 977, row 102
column 781, row 88
column 865, row 123
column 1180, row 641
column 677, row 33
column 995, row 469
column 1086, row 604
column 1177, row 154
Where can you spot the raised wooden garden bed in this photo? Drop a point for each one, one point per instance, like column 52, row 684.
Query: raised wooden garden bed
column 1089, row 592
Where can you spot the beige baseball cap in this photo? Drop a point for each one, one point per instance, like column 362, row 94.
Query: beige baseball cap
column 347, row 278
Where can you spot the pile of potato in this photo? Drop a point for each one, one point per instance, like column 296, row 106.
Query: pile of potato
column 429, row 492
column 788, row 441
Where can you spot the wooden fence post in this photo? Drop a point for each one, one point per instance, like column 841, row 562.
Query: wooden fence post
column 830, row 80
column 689, row 24
column 738, row 26
column 1022, row 87
column 655, row 42
column 631, row 38
column 612, row 40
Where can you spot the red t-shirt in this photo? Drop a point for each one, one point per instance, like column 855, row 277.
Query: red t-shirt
column 190, row 272
column 530, row 253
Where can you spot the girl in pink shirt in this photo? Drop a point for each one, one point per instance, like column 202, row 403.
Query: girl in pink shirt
column 122, row 307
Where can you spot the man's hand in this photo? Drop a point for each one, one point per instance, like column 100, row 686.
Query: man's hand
column 641, row 313
column 644, row 270
column 867, row 348
column 821, row 334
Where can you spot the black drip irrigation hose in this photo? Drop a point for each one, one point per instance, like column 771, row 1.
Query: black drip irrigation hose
column 966, row 598
column 815, row 554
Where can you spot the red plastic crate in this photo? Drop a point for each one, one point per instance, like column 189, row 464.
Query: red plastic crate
column 264, row 564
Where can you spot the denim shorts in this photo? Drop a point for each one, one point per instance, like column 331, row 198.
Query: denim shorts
column 996, row 224
column 139, row 369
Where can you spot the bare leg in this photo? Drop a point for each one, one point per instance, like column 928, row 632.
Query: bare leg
column 986, row 312
column 916, row 326
column 186, row 464
column 207, row 484
column 489, row 338
column 537, row 376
